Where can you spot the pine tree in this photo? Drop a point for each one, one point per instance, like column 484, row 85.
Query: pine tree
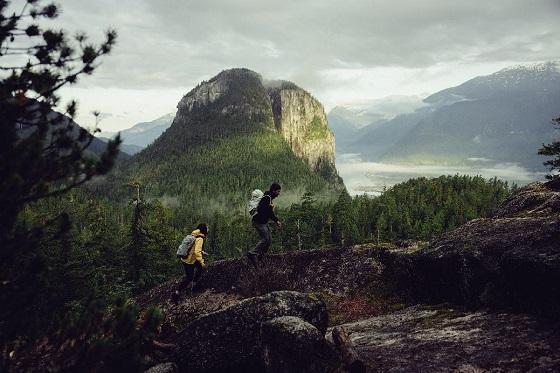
column 345, row 231
column 553, row 150
column 40, row 153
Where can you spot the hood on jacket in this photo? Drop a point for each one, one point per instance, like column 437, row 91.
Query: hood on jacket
column 197, row 233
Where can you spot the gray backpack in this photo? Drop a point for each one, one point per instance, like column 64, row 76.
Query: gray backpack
column 185, row 247
column 256, row 196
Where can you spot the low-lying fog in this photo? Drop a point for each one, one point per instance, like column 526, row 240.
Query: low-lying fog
column 371, row 177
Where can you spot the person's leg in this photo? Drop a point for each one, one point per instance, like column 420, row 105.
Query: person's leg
column 189, row 275
column 184, row 283
column 198, row 270
column 266, row 239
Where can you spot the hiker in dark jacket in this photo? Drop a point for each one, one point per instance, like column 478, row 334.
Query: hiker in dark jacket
column 265, row 214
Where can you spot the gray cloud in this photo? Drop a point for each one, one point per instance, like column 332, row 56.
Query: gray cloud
column 176, row 43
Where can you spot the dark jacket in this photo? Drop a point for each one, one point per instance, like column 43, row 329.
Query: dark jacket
column 265, row 210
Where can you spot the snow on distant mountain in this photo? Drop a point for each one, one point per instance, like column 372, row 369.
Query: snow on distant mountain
column 538, row 78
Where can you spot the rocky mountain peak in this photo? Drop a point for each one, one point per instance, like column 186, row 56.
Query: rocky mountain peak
column 210, row 91
column 542, row 68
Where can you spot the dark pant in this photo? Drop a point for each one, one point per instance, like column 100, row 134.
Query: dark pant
column 192, row 274
column 266, row 239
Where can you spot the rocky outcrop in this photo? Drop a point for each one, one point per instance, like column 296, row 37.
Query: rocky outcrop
column 228, row 340
column 289, row 344
column 206, row 93
column 510, row 259
column 424, row 339
column 163, row 368
column 536, row 199
column 237, row 83
column 210, row 91
column 336, row 270
column 301, row 120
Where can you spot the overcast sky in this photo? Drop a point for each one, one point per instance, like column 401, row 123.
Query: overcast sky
column 341, row 51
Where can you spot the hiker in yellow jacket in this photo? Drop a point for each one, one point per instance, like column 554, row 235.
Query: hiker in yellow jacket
column 194, row 262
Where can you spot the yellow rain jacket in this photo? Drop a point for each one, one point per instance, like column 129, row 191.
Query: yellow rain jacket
column 196, row 252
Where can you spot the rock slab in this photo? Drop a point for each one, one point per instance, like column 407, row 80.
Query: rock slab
column 423, row 339
column 290, row 344
column 229, row 339
column 511, row 259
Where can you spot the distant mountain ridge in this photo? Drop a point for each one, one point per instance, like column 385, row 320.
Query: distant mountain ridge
column 539, row 79
column 125, row 148
column 141, row 134
column 502, row 117
column 59, row 120
column 352, row 121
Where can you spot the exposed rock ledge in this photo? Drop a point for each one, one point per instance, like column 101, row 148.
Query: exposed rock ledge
column 511, row 259
column 421, row 339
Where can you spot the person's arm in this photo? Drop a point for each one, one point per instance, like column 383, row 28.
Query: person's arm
column 198, row 250
column 273, row 216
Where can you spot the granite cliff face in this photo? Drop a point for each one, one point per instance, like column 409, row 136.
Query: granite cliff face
column 204, row 94
column 284, row 107
column 301, row 120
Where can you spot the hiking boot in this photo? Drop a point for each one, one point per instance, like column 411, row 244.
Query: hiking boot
column 253, row 259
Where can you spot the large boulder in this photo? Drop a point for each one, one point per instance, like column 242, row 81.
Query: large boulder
column 433, row 339
column 511, row 258
column 228, row 340
column 290, row 344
